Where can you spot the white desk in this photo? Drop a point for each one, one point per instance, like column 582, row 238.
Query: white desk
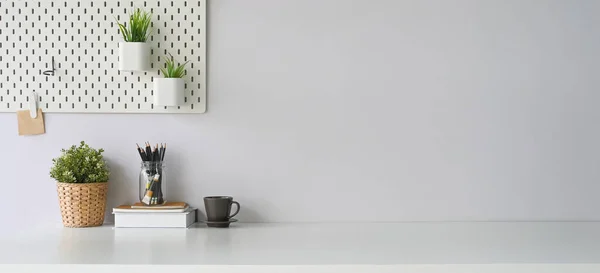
column 354, row 247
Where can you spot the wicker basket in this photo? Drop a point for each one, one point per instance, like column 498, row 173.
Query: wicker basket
column 82, row 204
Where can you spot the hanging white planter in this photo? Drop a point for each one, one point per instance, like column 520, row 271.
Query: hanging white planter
column 134, row 56
column 169, row 91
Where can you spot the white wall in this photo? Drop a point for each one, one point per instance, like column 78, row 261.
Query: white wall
column 383, row 110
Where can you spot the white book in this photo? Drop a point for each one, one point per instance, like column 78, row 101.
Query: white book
column 129, row 210
column 155, row 220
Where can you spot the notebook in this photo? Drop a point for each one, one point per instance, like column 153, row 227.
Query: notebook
column 169, row 207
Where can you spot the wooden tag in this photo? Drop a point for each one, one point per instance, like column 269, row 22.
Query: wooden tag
column 30, row 126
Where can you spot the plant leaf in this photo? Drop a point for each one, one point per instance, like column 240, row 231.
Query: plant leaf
column 138, row 27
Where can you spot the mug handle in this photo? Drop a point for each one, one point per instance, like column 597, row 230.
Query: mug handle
column 236, row 212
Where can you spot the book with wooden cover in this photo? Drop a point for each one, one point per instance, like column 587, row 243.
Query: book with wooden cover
column 167, row 205
column 139, row 207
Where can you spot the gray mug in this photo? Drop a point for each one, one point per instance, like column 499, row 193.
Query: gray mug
column 218, row 208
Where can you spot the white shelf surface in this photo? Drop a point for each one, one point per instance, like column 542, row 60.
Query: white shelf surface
column 347, row 244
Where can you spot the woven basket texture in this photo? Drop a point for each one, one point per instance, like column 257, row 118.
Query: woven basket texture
column 82, row 204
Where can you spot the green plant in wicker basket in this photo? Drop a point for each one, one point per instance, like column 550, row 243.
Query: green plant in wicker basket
column 80, row 164
column 171, row 70
column 137, row 30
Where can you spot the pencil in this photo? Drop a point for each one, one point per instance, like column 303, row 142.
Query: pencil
column 160, row 155
column 148, row 151
column 164, row 152
column 158, row 152
column 139, row 151
column 142, row 154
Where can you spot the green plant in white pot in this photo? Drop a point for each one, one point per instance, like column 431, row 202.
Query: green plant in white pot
column 169, row 90
column 82, row 183
column 134, row 52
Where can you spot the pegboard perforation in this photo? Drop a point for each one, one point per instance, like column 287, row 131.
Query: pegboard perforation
column 86, row 59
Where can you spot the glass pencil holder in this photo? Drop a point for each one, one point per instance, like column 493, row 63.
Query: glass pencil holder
column 152, row 184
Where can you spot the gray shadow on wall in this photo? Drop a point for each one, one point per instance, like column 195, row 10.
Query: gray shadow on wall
column 249, row 215
column 123, row 185
column 174, row 169
column 177, row 185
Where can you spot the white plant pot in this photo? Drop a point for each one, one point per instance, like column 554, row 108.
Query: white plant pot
column 134, row 56
column 168, row 91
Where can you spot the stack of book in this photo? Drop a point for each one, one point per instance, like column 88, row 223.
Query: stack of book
column 169, row 215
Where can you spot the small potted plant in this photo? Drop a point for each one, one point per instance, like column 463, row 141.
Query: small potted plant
column 82, row 182
column 169, row 90
column 134, row 52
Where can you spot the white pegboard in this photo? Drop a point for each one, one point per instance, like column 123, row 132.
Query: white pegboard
column 83, row 37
